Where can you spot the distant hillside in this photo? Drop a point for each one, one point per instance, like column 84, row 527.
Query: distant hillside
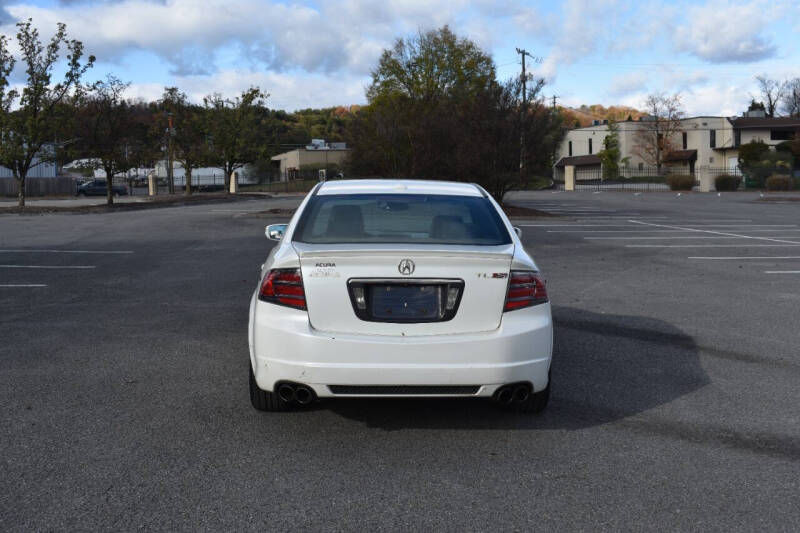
column 585, row 114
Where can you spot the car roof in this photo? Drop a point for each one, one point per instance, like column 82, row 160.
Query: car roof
column 453, row 188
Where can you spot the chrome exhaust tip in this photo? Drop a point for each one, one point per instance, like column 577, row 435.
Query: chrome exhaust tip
column 286, row 393
column 304, row 395
column 505, row 395
column 521, row 394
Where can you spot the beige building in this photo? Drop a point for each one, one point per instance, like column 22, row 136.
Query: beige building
column 289, row 164
column 705, row 146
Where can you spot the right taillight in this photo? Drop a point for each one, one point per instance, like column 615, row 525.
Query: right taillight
column 283, row 286
column 525, row 288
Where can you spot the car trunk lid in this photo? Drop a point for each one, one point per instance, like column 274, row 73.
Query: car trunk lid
column 404, row 290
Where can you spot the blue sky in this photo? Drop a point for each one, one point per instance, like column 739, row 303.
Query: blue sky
column 316, row 53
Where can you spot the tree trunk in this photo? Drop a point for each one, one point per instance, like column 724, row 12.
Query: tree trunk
column 21, row 191
column 228, row 172
column 109, row 185
column 187, row 187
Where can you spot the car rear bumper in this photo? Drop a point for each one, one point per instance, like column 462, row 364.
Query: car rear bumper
column 284, row 347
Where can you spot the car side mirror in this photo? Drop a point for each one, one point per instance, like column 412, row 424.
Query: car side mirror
column 518, row 231
column 274, row 232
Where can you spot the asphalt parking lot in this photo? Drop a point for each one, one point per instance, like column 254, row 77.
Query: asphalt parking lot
column 675, row 402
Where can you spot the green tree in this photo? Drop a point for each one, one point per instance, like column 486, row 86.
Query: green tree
column 611, row 154
column 189, row 132
column 235, row 131
column 758, row 162
column 436, row 111
column 32, row 121
column 109, row 136
column 422, row 77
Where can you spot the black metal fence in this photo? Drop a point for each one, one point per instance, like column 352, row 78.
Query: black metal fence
column 640, row 179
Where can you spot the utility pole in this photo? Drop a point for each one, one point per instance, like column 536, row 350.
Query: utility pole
column 170, row 131
column 554, row 102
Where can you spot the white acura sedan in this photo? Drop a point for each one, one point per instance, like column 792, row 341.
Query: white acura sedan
column 390, row 288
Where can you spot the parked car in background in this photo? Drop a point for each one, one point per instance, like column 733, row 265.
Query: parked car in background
column 390, row 288
column 98, row 188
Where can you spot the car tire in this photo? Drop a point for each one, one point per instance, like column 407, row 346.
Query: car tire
column 81, row 194
column 264, row 400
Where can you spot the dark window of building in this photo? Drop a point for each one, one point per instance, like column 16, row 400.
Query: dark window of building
column 737, row 137
column 641, row 166
column 570, row 148
column 780, row 135
column 685, row 139
column 712, row 138
column 590, row 146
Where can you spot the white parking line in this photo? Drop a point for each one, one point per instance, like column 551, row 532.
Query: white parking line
column 664, row 237
column 710, row 245
column 648, row 231
column 69, row 251
column 29, row 285
column 739, row 258
column 47, row 266
column 782, row 272
column 771, row 239
column 574, row 225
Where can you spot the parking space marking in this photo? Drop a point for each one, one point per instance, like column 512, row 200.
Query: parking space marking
column 771, row 239
column 739, row 258
column 20, row 251
column 665, row 237
column 710, row 245
column 28, row 285
column 48, row 266
column 782, row 272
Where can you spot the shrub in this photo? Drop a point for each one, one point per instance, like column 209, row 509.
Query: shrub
column 779, row 182
column 680, row 182
column 726, row 182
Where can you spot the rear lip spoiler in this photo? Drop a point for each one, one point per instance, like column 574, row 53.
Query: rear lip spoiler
column 382, row 250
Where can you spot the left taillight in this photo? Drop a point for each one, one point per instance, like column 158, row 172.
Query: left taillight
column 283, row 286
column 525, row 288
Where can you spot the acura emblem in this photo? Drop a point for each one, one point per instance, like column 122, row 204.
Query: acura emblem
column 406, row 267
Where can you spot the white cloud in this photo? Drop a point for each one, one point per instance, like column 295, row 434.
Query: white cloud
column 347, row 35
column 725, row 31
column 625, row 84
column 286, row 91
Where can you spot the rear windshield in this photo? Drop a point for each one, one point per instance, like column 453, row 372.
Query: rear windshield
column 401, row 218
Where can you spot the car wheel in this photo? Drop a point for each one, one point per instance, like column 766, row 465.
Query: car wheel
column 264, row 400
column 81, row 193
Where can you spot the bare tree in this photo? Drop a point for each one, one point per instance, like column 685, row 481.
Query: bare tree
column 772, row 92
column 791, row 98
column 31, row 121
column 653, row 140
